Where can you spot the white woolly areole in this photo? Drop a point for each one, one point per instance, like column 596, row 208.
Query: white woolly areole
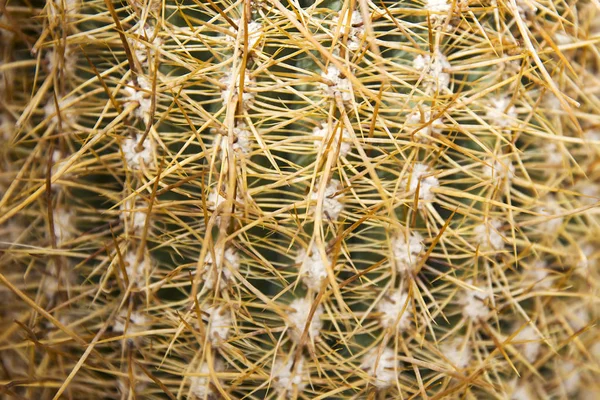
column 457, row 352
column 417, row 119
column 200, row 386
column 354, row 25
column 233, row 260
column 474, row 302
column 285, row 378
column 131, row 215
column 529, row 342
column 219, row 324
column 146, row 41
column 243, row 135
column 134, row 158
column 254, row 33
column 553, row 155
column 525, row 8
column 590, row 192
column 56, row 9
column 488, row 236
column 241, row 141
column 68, row 6
column 521, row 392
column 231, row 88
column 593, row 135
column 298, row 318
column 551, row 226
column 538, row 275
column 215, row 199
column 332, row 206
column 211, row 271
column 570, row 375
column 437, row 5
column 140, row 94
column 550, row 101
column 407, row 248
column 396, row 311
column 68, row 116
column 356, row 19
column 435, row 70
column 69, row 61
column 501, row 113
column 136, row 270
column 150, row 5
column 323, row 133
column 499, row 170
column 421, row 176
column 63, row 221
column 49, row 286
column 136, row 322
column 383, row 368
column 421, row 62
column 336, row 85
column 58, row 161
column 312, row 268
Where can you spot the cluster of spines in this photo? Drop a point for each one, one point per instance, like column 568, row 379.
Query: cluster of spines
column 291, row 244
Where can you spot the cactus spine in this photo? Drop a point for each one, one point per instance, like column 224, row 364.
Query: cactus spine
column 269, row 199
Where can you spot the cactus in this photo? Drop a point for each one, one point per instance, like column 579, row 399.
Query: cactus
column 269, row 199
